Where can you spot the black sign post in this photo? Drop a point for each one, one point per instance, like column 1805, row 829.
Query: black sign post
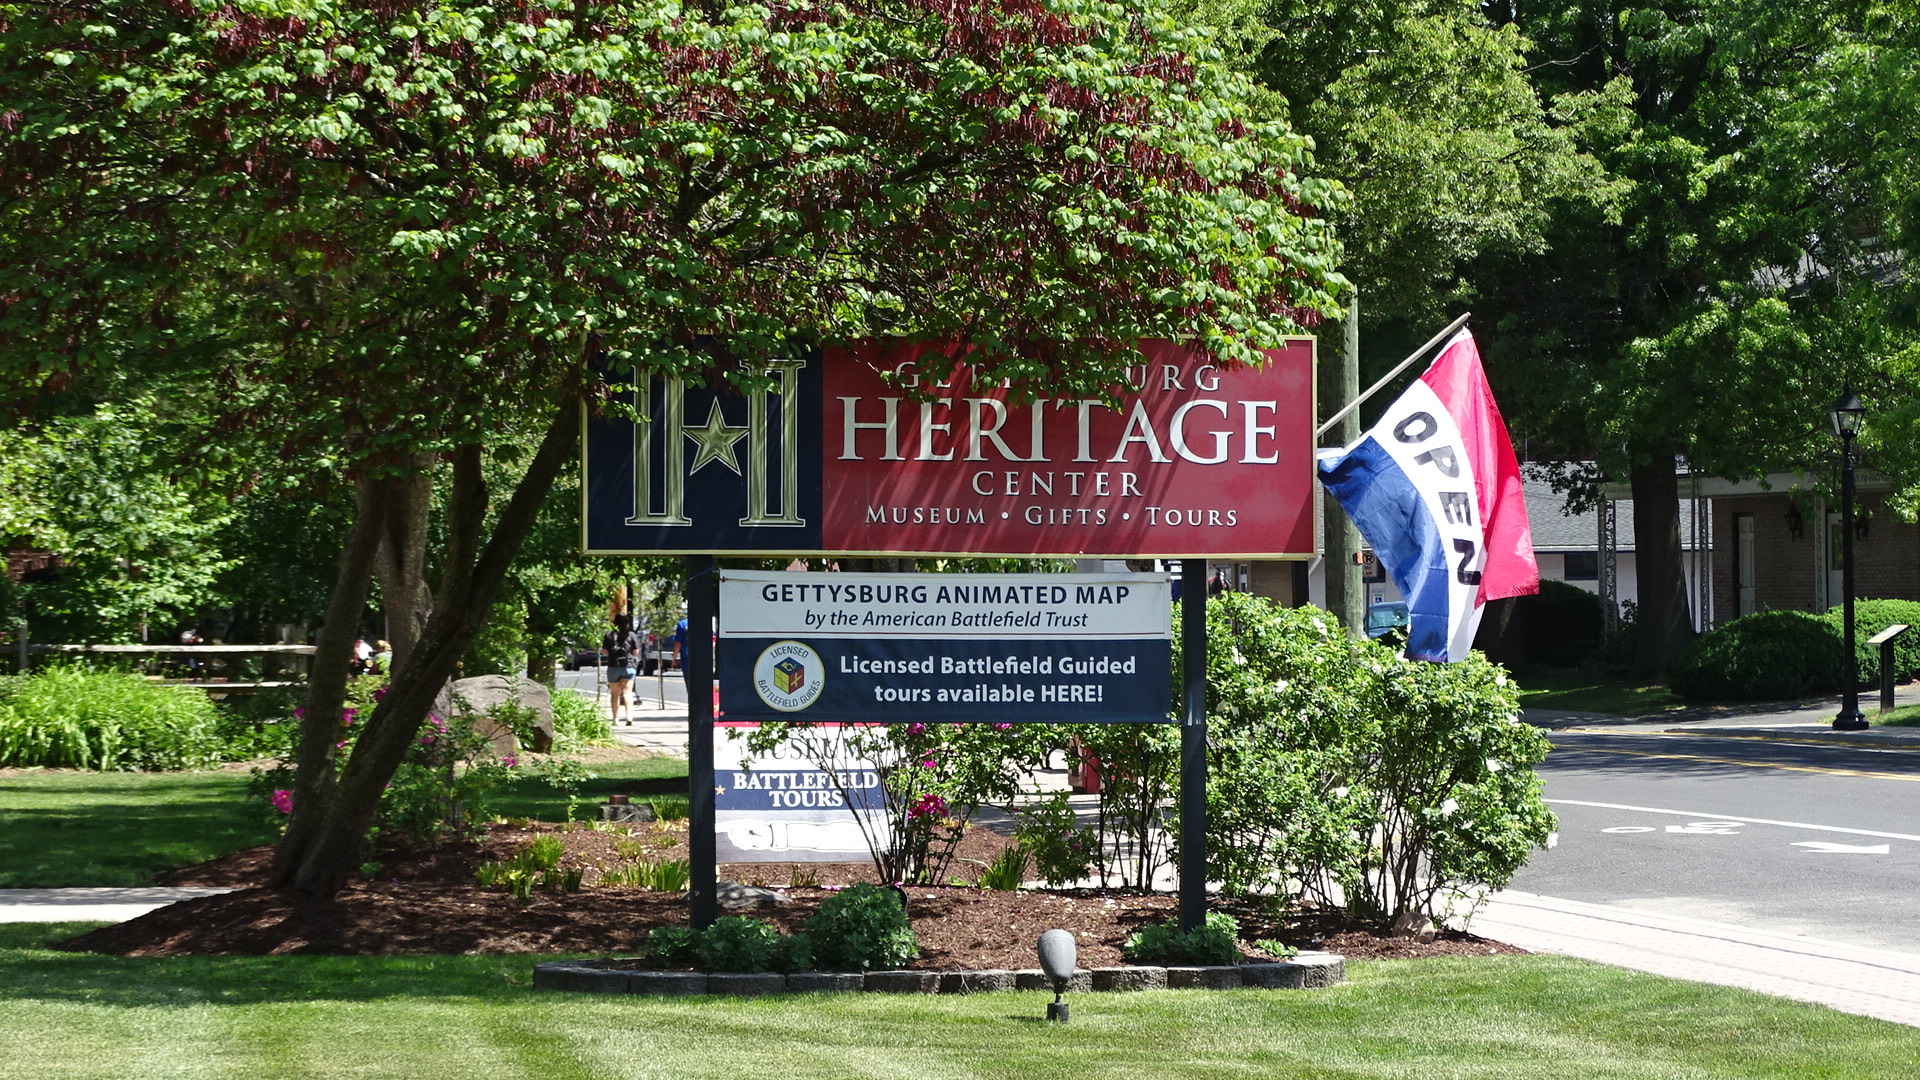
column 1193, row 743
column 703, row 589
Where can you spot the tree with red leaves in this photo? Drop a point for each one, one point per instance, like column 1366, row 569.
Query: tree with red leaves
column 387, row 235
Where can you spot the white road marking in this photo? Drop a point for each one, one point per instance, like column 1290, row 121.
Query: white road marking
column 1830, row 848
column 1629, row 829
column 1742, row 820
column 1707, row 828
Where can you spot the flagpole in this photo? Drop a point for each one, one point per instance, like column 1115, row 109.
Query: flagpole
column 1388, row 377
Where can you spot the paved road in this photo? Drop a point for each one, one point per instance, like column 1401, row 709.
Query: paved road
column 648, row 689
column 1822, row 841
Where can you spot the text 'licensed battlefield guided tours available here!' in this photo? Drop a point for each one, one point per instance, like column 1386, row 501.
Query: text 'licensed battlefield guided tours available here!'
column 1062, row 648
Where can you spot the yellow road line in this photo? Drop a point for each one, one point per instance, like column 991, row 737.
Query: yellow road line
column 1754, row 764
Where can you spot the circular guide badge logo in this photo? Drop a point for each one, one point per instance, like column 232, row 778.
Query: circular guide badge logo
column 789, row 676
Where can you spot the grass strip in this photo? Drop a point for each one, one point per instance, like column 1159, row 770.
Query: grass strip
column 81, row 1016
column 1585, row 691
column 63, row 828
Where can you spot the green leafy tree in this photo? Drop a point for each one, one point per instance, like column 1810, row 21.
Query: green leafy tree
column 393, row 235
column 137, row 542
column 1425, row 111
column 1694, row 318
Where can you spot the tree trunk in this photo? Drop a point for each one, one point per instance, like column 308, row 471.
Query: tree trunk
column 313, row 783
column 1664, row 622
column 326, row 856
column 401, row 566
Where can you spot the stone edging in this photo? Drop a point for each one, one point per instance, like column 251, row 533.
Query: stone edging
column 1307, row 971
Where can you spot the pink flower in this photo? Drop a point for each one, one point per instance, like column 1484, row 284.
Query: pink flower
column 341, row 745
column 282, row 800
column 299, row 712
column 510, row 761
column 348, row 716
column 379, row 693
column 426, row 740
column 916, row 729
column 928, row 764
column 928, row 804
column 1003, row 727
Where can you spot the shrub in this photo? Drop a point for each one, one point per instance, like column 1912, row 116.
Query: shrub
column 1215, row 943
column 67, row 716
column 736, row 943
column 1138, row 766
column 1288, row 705
column 1063, row 851
column 1342, row 773
column 1760, row 657
column 667, row 875
column 672, row 945
column 1869, row 618
column 1562, row 624
column 260, row 724
column 1007, row 871
column 862, row 928
column 577, row 724
column 442, row 788
column 1445, row 774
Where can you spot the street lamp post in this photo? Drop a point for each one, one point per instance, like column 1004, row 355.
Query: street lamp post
column 1846, row 414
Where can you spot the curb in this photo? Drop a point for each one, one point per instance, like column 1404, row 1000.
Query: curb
column 1307, row 971
column 1812, row 737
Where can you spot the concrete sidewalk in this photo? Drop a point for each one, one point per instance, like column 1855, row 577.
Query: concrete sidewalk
column 1867, row 982
column 90, row 905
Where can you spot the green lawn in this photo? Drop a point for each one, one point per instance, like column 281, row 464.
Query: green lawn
column 1581, row 691
column 1904, row 716
column 64, row 828
column 79, row 1016
column 645, row 779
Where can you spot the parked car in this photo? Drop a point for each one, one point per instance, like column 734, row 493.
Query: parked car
column 1386, row 617
column 580, row 658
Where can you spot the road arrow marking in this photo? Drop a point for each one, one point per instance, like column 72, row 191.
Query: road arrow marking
column 1827, row 847
column 1708, row 828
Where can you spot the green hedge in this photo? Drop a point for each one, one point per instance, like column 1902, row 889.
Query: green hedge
column 1562, row 623
column 1766, row 656
column 1869, row 618
column 70, row 717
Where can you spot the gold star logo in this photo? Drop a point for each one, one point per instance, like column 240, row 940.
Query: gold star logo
column 716, row 441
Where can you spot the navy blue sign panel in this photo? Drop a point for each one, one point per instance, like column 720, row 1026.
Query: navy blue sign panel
column 707, row 469
column 1030, row 680
column 945, row 648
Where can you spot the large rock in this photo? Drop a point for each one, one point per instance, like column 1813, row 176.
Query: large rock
column 483, row 693
column 733, row 896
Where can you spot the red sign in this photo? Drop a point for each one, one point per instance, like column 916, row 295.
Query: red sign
column 1198, row 461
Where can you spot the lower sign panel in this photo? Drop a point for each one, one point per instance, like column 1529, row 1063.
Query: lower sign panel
column 795, row 803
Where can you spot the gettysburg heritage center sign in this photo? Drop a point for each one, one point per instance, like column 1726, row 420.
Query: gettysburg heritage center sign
column 1198, row 461
column 861, row 451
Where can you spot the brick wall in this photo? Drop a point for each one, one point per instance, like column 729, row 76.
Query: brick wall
column 1886, row 561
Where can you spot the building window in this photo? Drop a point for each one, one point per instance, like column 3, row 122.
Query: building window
column 1582, row 565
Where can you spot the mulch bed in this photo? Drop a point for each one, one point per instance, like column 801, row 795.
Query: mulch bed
column 428, row 902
